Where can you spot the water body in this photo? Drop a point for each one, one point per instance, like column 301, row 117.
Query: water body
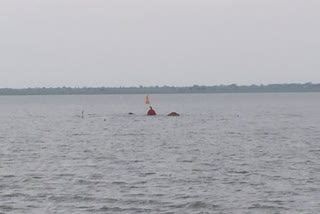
column 226, row 153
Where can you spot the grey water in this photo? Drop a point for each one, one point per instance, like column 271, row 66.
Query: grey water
column 226, row 153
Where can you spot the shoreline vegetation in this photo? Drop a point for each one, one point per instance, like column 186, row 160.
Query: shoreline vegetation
column 271, row 88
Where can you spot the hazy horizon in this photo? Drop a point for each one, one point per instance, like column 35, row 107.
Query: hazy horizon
column 77, row 43
column 146, row 86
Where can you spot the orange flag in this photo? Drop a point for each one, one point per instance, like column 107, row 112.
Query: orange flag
column 147, row 100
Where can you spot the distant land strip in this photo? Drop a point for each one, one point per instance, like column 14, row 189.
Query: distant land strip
column 272, row 88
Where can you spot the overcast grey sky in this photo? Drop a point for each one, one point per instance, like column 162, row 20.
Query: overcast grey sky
column 55, row 43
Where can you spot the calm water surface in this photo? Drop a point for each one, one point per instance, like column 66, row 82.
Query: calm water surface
column 226, row 153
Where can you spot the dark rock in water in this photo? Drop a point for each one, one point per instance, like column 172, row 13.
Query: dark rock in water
column 130, row 113
column 173, row 114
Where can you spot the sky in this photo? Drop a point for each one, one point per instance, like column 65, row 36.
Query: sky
column 112, row 43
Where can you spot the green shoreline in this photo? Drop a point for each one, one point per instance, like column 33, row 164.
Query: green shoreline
column 272, row 88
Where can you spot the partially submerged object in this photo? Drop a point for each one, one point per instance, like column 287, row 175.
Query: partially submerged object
column 151, row 111
column 173, row 114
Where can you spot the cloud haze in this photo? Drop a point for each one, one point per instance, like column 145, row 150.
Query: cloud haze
column 152, row 42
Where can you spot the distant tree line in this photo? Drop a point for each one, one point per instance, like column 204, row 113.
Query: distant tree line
column 272, row 88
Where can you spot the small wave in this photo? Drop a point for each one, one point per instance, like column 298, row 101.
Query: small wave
column 61, row 198
column 84, row 198
column 134, row 195
column 86, row 182
column 135, row 187
column 80, row 134
column 85, row 207
column 197, row 170
column 112, row 209
column 137, row 161
column 147, row 174
column 139, row 182
column 268, row 207
column 145, row 202
column 314, row 151
column 8, row 176
column 195, row 205
column 122, row 210
column 6, row 208
column 119, row 183
column 239, row 172
column 185, row 196
column 186, row 161
column 209, row 164
column 14, row 195
column 233, row 133
column 65, row 175
column 200, row 204
column 96, row 176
